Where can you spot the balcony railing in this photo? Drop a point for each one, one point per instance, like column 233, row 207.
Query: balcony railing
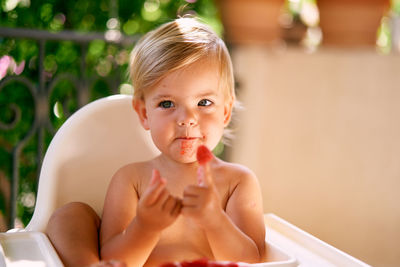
column 40, row 89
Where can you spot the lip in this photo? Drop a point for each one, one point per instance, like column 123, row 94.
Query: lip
column 187, row 138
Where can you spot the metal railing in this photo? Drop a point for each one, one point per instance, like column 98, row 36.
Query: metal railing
column 41, row 90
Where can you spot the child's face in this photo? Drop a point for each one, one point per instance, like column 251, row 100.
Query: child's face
column 186, row 109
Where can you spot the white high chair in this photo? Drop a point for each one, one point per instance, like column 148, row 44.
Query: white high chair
column 79, row 163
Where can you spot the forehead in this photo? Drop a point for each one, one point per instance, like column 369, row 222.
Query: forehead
column 198, row 78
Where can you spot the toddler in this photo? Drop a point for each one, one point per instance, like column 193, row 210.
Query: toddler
column 171, row 208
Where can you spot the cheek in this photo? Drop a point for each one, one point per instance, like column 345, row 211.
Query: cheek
column 156, row 120
column 158, row 127
column 214, row 126
column 160, row 131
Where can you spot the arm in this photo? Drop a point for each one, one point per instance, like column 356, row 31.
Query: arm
column 237, row 234
column 131, row 227
column 245, row 211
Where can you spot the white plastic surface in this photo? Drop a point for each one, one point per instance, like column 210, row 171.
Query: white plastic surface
column 307, row 249
column 31, row 249
column 276, row 257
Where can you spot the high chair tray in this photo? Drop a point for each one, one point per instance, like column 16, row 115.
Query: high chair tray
column 34, row 249
column 31, row 249
column 308, row 250
column 287, row 246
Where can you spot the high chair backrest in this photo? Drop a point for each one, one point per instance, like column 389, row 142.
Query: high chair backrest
column 84, row 154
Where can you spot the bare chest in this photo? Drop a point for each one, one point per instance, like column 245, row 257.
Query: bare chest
column 183, row 240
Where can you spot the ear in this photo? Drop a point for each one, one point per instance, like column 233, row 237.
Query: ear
column 228, row 106
column 140, row 107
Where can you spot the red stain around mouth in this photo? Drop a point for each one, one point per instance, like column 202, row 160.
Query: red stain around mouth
column 185, row 145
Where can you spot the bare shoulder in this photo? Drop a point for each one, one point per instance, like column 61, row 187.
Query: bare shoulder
column 235, row 182
column 234, row 172
column 134, row 174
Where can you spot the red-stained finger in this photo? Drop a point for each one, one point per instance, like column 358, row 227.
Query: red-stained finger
column 204, row 177
column 204, row 155
column 201, row 176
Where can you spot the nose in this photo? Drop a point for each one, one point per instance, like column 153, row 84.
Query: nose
column 187, row 117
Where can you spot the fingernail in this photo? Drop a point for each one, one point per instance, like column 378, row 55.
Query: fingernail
column 154, row 176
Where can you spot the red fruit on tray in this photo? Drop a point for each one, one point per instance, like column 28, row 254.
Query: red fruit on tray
column 200, row 263
column 222, row 264
column 195, row 263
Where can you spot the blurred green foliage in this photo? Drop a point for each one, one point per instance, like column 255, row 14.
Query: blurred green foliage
column 395, row 4
column 104, row 63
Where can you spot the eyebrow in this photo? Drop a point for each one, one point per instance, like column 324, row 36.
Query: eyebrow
column 165, row 96
column 210, row 93
column 157, row 97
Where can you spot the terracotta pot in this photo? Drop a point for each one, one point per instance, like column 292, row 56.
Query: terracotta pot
column 350, row 22
column 251, row 21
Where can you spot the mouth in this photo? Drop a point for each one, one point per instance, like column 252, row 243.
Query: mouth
column 187, row 144
column 187, row 138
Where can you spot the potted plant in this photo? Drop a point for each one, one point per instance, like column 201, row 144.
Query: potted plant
column 350, row 22
column 251, row 21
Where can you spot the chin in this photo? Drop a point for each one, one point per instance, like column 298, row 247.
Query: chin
column 186, row 160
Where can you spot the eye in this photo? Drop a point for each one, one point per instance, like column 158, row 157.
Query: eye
column 166, row 104
column 204, row 102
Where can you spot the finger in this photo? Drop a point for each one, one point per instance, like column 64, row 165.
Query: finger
column 178, row 207
column 157, row 185
column 204, row 155
column 201, row 176
column 152, row 195
column 204, row 177
column 169, row 203
column 155, row 177
column 162, row 198
column 190, row 201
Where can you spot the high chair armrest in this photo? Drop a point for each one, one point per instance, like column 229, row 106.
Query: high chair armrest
column 26, row 248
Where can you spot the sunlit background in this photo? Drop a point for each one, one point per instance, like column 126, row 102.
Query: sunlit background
column 319, row 79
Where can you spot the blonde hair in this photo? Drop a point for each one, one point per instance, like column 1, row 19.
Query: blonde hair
column 173, row 46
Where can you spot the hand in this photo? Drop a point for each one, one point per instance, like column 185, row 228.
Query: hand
column 157, row 209
column 201, row 202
